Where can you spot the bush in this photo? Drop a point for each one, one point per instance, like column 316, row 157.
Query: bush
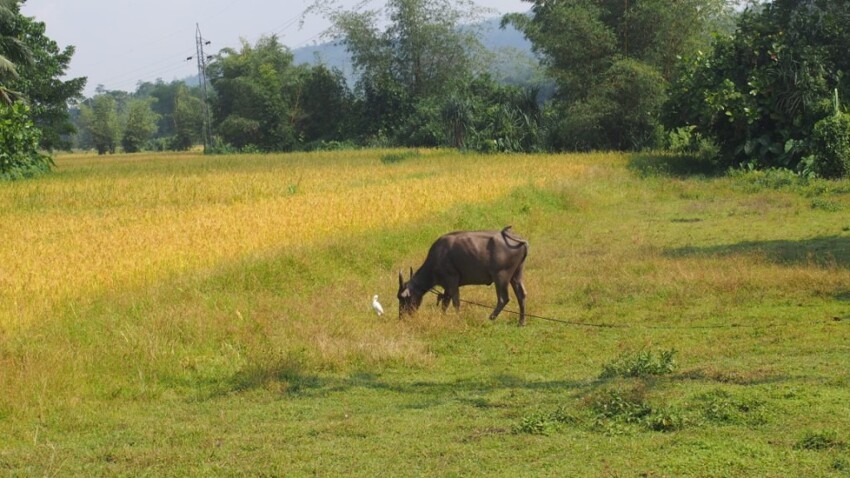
column 19, row 156
column 687, row 141
column 831, row 146
column 423, row 128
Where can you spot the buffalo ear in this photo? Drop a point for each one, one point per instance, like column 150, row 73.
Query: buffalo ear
column 400, row 281
column 411, row 273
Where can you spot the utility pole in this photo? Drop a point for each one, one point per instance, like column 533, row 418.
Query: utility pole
column 202, row 79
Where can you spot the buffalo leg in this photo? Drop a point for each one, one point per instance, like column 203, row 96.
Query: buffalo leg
column 443, row 299
column 519, row 291
column 502, row 298
column 455, row 299
column 451, row 292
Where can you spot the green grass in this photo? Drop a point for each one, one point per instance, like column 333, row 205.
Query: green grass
column 273, row 364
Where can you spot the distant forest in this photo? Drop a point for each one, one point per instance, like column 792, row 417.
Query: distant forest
column 730, row 83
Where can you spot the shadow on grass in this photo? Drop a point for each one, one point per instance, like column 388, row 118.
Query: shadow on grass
column 436, row 387
column 828, row 251
column 669, row 164
column 301, row 384
column 482, row 392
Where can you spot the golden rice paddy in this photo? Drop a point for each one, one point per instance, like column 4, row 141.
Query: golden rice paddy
column 118, row 223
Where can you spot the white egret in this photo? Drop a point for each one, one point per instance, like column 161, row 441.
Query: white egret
column 377, row 306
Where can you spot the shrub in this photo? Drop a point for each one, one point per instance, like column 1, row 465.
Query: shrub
column 19, row 156
column 831, row 146
column 578, row 128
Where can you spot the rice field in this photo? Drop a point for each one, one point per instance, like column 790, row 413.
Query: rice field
column 95, row 230
column 182, row 315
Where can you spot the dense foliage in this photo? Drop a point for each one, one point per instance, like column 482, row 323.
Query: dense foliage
column 33, row 100
column 257, row 95
column 760, row 92
column 41, row 84
column 13, row 51
column 19, row 155
column 99, row 118
column 611, row 60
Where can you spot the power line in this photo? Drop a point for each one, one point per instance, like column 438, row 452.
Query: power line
column 150, row 71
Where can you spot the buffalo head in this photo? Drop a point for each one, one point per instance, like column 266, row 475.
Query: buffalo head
column 409, row 298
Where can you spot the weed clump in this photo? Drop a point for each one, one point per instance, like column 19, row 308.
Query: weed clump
column 667, row 420
column 641, row 364
column 819, row 440
column 544, row 423
column 614, row 408
column 721, row 407
column 626, row 405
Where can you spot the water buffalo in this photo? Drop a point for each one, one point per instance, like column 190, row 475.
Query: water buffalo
column 468, row 258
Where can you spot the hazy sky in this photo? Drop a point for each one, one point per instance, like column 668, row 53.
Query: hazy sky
column 120, row 42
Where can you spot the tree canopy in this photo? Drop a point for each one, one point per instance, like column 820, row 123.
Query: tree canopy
column 33, row 98
column 611, row 60
column 41, row 84
column 762, row 91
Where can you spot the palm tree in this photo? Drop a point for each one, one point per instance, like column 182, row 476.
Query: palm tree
column 12, row 50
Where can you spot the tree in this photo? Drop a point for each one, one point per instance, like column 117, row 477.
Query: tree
column 39, row 82
column 597, row 51
column 164, row 104
column 423, row 53
column 29, row 90
column 325, row 105
column 100, row 121
column 139, row 125
column 13, row 51
column 258, row 92
column 188, row 119
column 179, row 112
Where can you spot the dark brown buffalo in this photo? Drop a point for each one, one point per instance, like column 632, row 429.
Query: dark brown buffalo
column 468, row 258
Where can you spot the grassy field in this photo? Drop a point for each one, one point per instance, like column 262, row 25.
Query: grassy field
column 181, row 315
